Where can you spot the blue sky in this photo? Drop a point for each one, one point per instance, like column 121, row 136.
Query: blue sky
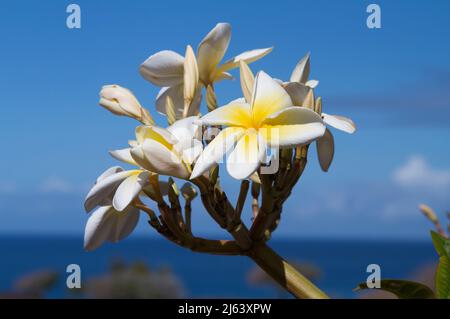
column 393, row 82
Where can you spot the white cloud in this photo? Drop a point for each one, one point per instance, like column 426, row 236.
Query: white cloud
column 55, row 185
column 416, row 172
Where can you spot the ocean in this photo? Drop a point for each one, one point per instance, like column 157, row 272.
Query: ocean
column 342, row 264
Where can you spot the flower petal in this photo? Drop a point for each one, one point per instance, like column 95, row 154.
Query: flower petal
column 292, row 126
column 110, row 171
column 120, row 101
column 325, row 150
column 268, row 97
column 186, row 129
column 298, row 92
column 163, row 136
column 176, row 93
column 98, row 228
column 164, row 68
column 106, row 224
column 312, row 83
column 212, row 49
column 216, row 149
column 129, row 189
column 236, row 113
column 162, row 159
column 246, row 157
column 188, row 135
column 301, row 70
column 339, row 122
column 123, row 155
column 247, row 81
column 104, row 189
column 247, row 56
column 190, row 154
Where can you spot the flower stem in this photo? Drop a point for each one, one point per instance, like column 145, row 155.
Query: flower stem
column 284, row 273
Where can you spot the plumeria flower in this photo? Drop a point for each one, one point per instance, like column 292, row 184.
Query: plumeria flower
column 112, row 221
column 121, row 101
column 168, row 151
column 269, row 120
column 121, row 186
column 166, row 68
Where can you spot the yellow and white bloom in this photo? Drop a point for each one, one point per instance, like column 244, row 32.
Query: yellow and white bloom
column 166, row 68
column 121, row 101
column 269, row 120
column 168, row 151
column 114, row 219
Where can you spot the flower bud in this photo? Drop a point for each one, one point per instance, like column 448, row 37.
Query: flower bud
column 121, row 101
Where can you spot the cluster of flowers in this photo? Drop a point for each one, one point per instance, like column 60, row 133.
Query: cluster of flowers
column 272, row 114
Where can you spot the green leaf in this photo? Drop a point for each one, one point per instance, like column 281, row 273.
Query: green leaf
column 442, row 279
column 441, row 244
column 403, row 289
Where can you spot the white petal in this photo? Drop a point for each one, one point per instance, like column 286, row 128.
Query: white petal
column 236, row 113
column 110, row 171
column 301, row 70
column 104, row 189
column 98, row 228
column 123, row 155
column 160, row 134
column 312, row 83
column 298, row 92
column 125, row 224
column 177, row 95
column 212, row 49
column 292, row 126
column 186, row 129
column 247, row 56
column 129, row 189
column 106, row 224
column 192, row 153
column 339, row 122
column 268, row 97
column 247, row 81
column 137, row 153
column 216, row 149
column 223, row 76
column 246, row 157
column 325, row 150
column 164, row 68
column 120, row 100
column 163, row 160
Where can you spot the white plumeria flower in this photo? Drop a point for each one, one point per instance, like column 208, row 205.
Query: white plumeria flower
column 118, row 186
column 121, row 101
column 270, row 120
column 168, row 151
column 166, row 68
column 107, row 223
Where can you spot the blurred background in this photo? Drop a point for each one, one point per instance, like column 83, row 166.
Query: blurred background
column 394, row 82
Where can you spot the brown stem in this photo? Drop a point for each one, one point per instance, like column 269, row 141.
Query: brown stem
column 284, row 274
